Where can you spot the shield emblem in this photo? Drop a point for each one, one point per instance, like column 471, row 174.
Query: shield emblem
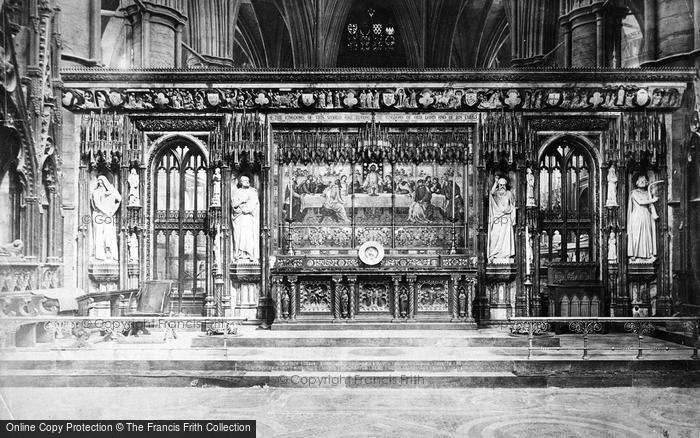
column 307, row 99
column 553, row 98
column 388, row 98
column 642, row 97
column 470, row 97
column 115, row 98
column 213, row 98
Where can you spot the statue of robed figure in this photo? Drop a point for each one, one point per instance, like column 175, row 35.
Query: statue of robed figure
column 245, row 221
column 501, row 238
column 105, row 203
column 641, row 218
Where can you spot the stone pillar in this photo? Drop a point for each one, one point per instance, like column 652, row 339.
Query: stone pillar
column 454, row 299
column 411, row 295
column 650, row 48
column 156, row 34
column 337, row 313
column 396, row 279
column 587, row 26
column 352, row 280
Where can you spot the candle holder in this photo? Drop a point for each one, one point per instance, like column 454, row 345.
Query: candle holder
column 290, row 250
column 453, row 248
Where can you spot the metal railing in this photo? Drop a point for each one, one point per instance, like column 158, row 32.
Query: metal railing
column 586, row 326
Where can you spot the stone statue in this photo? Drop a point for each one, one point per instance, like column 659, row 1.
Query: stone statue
column 245, row 221
column 285, row 303
column 344, row 301
column 12, row 249
column 462, row 302
column 530, row 178
column 133, row 245
column 403, row 303
column 501, row 239
column 641, row 226
column 105, row 203
column 134, row 199
column 611, row 200
column 612, row 247
column 216, row 189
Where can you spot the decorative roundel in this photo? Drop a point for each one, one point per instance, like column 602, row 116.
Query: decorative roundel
column 371, row 253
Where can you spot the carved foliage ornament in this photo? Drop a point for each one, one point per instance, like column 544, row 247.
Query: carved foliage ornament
column 186, row 99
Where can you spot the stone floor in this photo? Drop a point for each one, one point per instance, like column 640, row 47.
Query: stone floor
column 341, row 412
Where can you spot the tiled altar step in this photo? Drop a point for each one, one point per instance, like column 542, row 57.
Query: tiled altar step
column 373, row 338
column 534, row 373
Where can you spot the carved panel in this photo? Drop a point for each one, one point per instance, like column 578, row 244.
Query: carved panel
column 410, row 237
column 432, row 296
column 336, row 237
column 314, row 297
column 378, row 234
column 18, row 278
column 374, row 297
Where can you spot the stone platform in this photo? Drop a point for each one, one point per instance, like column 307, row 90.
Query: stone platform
column 384, row 359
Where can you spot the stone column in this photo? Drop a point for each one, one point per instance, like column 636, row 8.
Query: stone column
column 155, row 30
column 454, row 280
column 337, row 314
column 352, row 280
column 411, row 295
column 650, row 47
column 396, row 279
column 293, row 298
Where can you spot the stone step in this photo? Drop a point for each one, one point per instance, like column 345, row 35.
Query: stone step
column 371, row 341
column 372, row 325
column 659, row 377
column 571, row 365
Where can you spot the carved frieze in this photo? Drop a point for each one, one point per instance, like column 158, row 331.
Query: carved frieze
column 583, row 98
column 176, row 124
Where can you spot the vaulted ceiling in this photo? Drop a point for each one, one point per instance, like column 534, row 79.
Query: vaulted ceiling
column 310, row 33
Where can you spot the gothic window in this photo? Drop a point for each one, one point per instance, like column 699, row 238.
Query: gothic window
column 10, row 201
column 180, row 245
column 370, row 37
column 566, row 204
column 10, row 187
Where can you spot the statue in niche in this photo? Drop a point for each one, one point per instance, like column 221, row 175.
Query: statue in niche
column 216, row 189
column 462, row 300
column 344, row 302
column 641, row 226
column 403, row 303
column 285, row 302
column 134, row 199
column 501, row 238
column 530, row 178
column 612, row 247
column 105, row 203
column 611, row 200
column 245, row 221
column 133, row 246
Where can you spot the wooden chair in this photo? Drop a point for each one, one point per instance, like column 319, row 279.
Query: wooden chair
column 152, row 300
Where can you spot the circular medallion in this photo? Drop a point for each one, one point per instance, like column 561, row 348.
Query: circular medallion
column 371, row 253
